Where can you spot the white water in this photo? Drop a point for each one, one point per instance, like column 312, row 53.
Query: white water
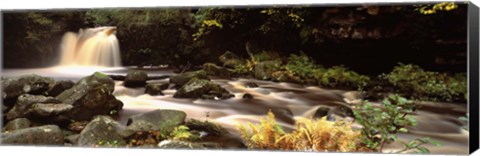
column 91, row 47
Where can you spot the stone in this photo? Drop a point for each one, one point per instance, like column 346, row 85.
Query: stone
column 247, row 96
column 22, row 107
column 182, row 79
column 73, row 139
column 160, row 119
column 42, row 135
column 171, row 144
column 195, row 88
column 27, row 84
column 321, row 112
column 135, row 78
column 343, row 111
column 251, row 85
column 100, row 130
column 52, row 113
column 77, row 126
column 230, row 60
column 264, row 70
column 59, row 87
column 209, row 127
column 214, row 70
column 156, row 88
column 19, row 123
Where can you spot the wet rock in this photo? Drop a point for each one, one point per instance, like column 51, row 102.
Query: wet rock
column 209, row 127
column 27, row 84
column 161, row 119
column 264, row 70
column 117, row 77
column 215, row 70
column 22, row 107
column 135, row 78
column 19, row 123
column 43, row 135
column 251, row 85
column 156, row 88
column 247, row 96
column 321, row 112
column 158, row 77
column 51, row 113
column 230, row 60
column 90, row 96
column 59, row 87
column 343, row 111
column 196, row 88
column 101, row 129
column 182, row 79
column 283, row 114
column 170, row 144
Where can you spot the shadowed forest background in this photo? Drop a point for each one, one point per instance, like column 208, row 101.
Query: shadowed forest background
column 366, row 39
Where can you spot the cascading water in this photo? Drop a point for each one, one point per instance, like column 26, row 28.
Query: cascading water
column 91, row 47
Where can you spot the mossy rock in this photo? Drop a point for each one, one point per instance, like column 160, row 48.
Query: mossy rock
column 182, row 79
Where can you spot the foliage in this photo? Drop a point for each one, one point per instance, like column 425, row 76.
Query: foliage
column 309, row 135
column 432, row 9
column 154, row 137
column 340, row 76
column 108, row 143
column 302, row 66
column 414, row 82
column 381, row 124
column 182, row 133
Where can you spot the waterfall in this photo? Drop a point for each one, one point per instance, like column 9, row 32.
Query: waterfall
column 91, row 47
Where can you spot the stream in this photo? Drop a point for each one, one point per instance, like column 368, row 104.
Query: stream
column 288, row 101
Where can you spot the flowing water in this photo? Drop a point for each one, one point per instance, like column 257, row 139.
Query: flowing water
column 91, row 47
column 438, row 121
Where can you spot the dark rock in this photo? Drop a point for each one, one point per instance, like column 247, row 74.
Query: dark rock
column 161, row 119
column 22, row 107
column 182, row 79
column 43, row 135
column 343, row 111
column 247, row 96
column 321, row 112
column 73, row 139
column 135, row 78
column 19, row 123
column 283, row 114
column 117, row 77
column 209, row 127
column 91, row 96
column 28, row 84
column 196, row 88
column 156, row 88
column 251, row 85
column 264, row 70
column 170, row 144
column 214, row 70
column 51, row 113
column 101, row 129
column 59, row 87
column 230, row 60
column 158, row 77
column 77, row 126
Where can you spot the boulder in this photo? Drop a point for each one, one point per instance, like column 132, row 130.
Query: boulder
column 90, row 96
column 173, row 144
column 251, row 85
column 182, row 79
column 209, row 127
column 43, row 135
column 230, row 60
column 196, row 88
column 214, row 70
column 51, row 113
column 19, row 123
column 321, row 112
column 343, row 111
column 23, row 106
column 156, row 88
column 264, row 70
column 27, row 84
column 102, row 129
column 135, row 78
column 77, row 126
column 247, row 96
column 59, row 87
column 161, row 119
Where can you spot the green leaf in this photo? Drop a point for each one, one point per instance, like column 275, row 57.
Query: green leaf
column 423, row 150
column 403, row 130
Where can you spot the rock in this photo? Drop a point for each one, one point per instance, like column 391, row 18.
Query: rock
column 171, row 144
column 27, row 84
column 196, row 88
column 214, row 70
column 158, row 77
column 59, row 87
column 264, row 70
column 102, row 129
column 343, row 111
column 43, row 135
column 247, row 96
column 90, row 96
column 156, row 88
column 283, row 114
column 251, row 85
column 321, row 112
column 160, row 119
column 51, row 113
column 117, row 77
column 209, row 127
column 135, row 78
column 225, row 57
column 22, row 107
column 182, row 79
column 77, row 126
column 73, row 139
column 19, row 123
